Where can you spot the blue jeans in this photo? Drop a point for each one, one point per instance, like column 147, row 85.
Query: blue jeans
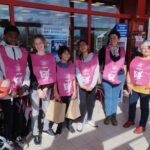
column 144, row 105
column 111, row 95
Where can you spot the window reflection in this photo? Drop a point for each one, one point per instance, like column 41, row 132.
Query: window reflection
column 101, row 27
column 23, row 14
column 4, row 12
column 82, row 4
column 106, row 6
column 4, row 18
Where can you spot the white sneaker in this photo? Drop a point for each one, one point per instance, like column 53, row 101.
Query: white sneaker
column 91, row 123
column 6, row 144
column 80, row 127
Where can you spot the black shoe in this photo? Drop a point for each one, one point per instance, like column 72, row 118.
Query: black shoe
column 114, row 121
column 107, row 120
column 37, row 140
column 58, row 131
column 50, row 132
column 71, row 129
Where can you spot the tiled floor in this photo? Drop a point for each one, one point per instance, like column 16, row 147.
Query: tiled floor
column 102, row 138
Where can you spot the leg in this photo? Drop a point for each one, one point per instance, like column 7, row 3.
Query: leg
column 133, row 98
column 35, row 101
column 116, row 91
column 67, row 100
column 144, row 103
column 45, row 103
column 90, row 103
column 107, row 97
column 46, row 128
column 83, row 104
column 8, row 121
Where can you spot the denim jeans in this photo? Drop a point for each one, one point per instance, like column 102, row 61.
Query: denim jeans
column 111, row 95
column 144, row 105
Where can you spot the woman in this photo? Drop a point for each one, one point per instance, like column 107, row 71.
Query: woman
column 112, row 60
column 87, row 72
column 43, row 75
column 138, row 82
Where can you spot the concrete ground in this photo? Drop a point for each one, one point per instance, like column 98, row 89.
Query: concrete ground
column 105, row 137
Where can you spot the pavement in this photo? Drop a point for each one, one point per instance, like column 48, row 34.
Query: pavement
column 105, row 137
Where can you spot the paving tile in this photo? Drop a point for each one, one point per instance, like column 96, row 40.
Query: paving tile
column 102, row 138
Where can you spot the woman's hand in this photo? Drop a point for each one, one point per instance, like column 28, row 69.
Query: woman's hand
column 57, row 96
column 74, row 96
column 45, row 91
column 41, row 94
column 89, row 88
column 130, row 88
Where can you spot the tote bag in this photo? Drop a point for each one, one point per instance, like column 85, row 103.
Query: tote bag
column 56, row 111
column 73, row 111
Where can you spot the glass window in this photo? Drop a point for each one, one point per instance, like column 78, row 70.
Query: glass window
column 59, row 28
column 82, row 4
column 111, row 6
column 4, row 12
column 54, row 25
column 80, row 31
column 23, row 14
column 4, row 18
column 101, row 27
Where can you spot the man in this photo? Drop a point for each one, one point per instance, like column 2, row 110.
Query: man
column 13, row 66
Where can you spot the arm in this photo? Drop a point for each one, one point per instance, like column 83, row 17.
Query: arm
column 2, row 70
column 74, row 89
column 26, row 81
column 125, row 69
column 95, row 77
column 101, row 58
column 79, row 77
column 34, row 83
column 129, row 84
column 56, row 95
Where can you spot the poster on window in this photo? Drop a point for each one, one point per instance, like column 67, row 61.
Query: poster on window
column 55, row 45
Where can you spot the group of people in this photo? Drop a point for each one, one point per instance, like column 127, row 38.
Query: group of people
column 36, row 77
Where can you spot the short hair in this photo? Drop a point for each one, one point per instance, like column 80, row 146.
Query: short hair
column 82, row 41
column 11, row 28
column 62, row 49
column 114, row 32
column 146, row 43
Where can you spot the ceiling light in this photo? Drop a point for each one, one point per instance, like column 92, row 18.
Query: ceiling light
column 77, row 1
column 73, row 16
column 97, row 4
column 43, row 13
column 61, row 14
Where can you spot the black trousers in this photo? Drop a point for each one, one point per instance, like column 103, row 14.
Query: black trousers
column 144, row 105
column 87, row 102
column 14, row 118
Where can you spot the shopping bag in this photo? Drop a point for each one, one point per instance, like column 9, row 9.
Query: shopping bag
column 73, row 111
column 56, row 111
